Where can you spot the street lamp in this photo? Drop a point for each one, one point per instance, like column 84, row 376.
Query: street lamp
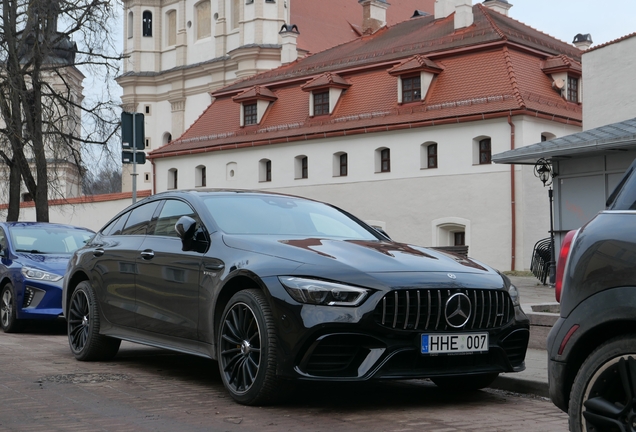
column 543, row 170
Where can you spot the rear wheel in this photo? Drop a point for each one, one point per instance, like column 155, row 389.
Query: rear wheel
column 247, row 350
column 603, row 396
column 83, row 327
column 465, row 382
column 8, row 311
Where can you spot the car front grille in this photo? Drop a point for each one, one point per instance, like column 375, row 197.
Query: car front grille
column 423, row 309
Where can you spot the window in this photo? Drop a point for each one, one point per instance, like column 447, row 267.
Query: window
column 204, row 23
column 146, row 177
column 250, row 114
column 573, row 89
column 131, row 24
column 304, row 168
column 301, row 169
column 411, row 89
column 173, row 176
column 265, row 170
column 431, row 159
column 115, row 227
column 484, row 151
column 200, row 176
column 385, row 160
column 147, row 109
column 26, row 197
column 459, row 238
column 343, row 165
column 170, row 213
column 146, row 26
column 321, row 103
column 172, row 27
column 139, row 219
column 167, row 137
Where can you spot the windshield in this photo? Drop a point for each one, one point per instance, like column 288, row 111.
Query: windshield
column 49, row 240
column 287, row 216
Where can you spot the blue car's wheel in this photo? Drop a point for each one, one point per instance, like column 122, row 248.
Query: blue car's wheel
column 83, row 327
column 8, row 309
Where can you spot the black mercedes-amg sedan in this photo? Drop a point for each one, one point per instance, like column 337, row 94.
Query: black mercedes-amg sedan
column 278, row 288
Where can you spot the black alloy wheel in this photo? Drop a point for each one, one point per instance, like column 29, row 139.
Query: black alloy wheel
column 83, row 327
column 8, row 310
column 603, row 397
column 247, row 349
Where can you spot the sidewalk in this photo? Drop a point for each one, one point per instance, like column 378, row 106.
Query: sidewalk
column 534, row 380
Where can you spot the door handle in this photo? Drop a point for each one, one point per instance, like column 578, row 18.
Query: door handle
column 147, row 254
column 220, row 266
column 98, row 252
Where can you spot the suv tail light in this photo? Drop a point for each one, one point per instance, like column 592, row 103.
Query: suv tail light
column 562, row 260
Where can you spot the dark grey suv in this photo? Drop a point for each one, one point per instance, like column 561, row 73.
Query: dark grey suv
column 592, row 347
column 280, row 288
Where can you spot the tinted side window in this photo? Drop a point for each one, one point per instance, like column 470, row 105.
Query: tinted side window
column 115, row 227
column 170, row 214
column 139, row 219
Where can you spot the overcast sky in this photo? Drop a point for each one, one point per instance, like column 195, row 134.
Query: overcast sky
column 605, row 20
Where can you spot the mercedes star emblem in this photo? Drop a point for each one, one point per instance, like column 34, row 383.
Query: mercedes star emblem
column 458, row 310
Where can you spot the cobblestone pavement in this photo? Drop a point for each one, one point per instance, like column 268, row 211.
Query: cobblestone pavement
column 43, row 388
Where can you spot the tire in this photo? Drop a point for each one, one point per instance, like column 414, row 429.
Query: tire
column 8, row 310
column 246, row 350
column 602, row 397
column 83, row 327
column 465, row 382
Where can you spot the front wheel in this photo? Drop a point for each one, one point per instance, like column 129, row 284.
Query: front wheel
column 247, row 349
column 603, row 397
column 465, row 382
column 83, row 327
column 8, row 310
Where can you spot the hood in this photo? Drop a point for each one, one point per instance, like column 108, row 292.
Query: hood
column 363, row 256
column 54, row 263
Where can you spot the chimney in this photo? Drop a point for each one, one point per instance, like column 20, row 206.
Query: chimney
column 463, row 14
column 583, row 41
column 373, row 15
column 289, row 33
column 500, row 6
column 444, row 8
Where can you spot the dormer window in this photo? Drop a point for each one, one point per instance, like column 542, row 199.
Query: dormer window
column 324, row 93
column 573, row 89
column 321, row 103
column 254, row 103
column 414, row 76
column 411, row 89
column 250, row 114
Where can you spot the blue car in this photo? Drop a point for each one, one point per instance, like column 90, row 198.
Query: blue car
column 33, row 259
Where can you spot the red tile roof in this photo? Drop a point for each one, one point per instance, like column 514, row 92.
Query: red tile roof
column 327, row 79
column 483, row 74
column 326, row 23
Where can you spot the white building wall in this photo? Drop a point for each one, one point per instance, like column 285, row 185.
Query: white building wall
column 610, row 88
column 408, row 199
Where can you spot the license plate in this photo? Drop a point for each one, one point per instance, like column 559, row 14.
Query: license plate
column 454, row 343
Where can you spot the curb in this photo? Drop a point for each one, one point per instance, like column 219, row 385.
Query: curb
column 521, row 385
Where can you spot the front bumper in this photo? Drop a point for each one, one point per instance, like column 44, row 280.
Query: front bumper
column 38, row 300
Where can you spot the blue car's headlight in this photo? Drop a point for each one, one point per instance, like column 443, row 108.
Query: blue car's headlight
column 37, row 274
column 317, row 292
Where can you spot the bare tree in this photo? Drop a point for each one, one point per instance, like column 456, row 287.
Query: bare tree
column 44, row 47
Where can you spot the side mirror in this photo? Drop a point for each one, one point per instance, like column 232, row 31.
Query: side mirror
column 185, row 227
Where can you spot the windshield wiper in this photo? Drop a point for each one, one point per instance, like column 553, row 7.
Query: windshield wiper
column 35, row 251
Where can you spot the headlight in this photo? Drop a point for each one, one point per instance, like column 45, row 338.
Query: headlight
column 514, row 294
column 36, row 274
column 317, row 292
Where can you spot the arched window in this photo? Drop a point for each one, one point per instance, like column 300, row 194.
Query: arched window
column 547, row 136
column 301, row 169
column 167, row 137
column 171, row 35
column 340, row 164
column 428, row 155
column 146, row 25
column 383, row 160
column 231, row 171
column 173, row 176
column 482, row 150
column 203, row 19
column 200, row 176
column 451, row 231
column 130, row 24
column 265, row 170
